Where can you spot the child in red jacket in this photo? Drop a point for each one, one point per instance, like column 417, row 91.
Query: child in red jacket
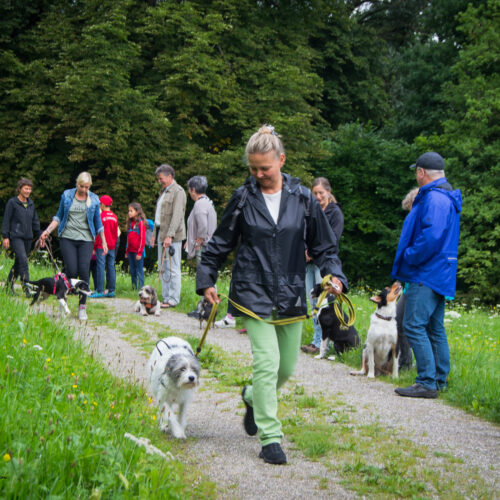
column 111, row 232
column 136, row 241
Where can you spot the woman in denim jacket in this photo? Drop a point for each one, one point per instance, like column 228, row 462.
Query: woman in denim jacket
column 79, row 221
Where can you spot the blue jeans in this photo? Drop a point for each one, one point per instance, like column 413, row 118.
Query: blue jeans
column 136, row 268
column 423, row 323
column 105, row 261
column 313, row 276
column 171, row 272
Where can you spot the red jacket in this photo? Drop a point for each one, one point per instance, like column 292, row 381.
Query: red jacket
column 136, row 237
column 110, row 223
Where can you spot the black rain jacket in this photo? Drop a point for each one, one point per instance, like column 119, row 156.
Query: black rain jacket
column 20, row 222
column 269, row 268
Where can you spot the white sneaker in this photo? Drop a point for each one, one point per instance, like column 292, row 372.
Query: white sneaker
column 82, row 315
column 226, row 323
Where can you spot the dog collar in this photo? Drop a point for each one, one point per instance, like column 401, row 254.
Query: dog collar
column 386, row 318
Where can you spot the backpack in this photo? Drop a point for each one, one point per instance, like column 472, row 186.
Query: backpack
column 150, row 227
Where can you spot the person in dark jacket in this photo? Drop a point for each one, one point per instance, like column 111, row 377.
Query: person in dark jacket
column 20, row 224
column 426, row 258
column 271, row 220
column 322, row 191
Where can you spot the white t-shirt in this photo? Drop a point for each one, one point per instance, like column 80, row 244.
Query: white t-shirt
column 273, row 204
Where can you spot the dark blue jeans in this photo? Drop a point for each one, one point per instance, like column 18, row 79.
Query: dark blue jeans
column 136, row 268
column 76, row 256
column 423, row 323
column 105, row 261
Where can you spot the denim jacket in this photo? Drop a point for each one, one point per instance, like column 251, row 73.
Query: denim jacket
column 93, row 212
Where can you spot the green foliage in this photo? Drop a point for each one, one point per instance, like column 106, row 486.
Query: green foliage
column 470, row 143
column 369, row 177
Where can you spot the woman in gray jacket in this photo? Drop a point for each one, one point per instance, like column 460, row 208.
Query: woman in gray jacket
column 20, row 224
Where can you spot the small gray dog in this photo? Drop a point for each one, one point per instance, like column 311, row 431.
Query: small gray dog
column 148, row 301
column 174, row 374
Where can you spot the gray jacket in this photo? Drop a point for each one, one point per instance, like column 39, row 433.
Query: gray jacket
column 201, row 223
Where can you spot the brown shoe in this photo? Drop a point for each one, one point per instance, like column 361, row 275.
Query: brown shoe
column 311, row 349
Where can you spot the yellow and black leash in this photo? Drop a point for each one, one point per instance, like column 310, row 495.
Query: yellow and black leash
column 326, row 283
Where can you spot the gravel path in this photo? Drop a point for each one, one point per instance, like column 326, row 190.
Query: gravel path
column 227, row 456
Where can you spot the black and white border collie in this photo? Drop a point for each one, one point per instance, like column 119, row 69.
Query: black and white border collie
column 380, row 353
column 61, row 287
column 343, row 338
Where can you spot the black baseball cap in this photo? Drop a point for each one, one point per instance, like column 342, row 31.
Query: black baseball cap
column 429, row 161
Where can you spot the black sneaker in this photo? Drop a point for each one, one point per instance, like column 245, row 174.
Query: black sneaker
column 416, row 391
column 248, row 420
column 273, row 454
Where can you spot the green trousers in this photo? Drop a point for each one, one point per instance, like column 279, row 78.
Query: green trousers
column 275, row 352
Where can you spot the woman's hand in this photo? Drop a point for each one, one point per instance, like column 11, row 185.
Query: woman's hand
column 6, row 243
column 138, row 256
column 337, row 287
column 211, row 295
column 308, row 259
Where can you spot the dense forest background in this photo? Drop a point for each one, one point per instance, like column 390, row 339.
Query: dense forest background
column 356, row 89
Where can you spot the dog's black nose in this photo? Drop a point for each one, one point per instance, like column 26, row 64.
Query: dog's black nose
column 191, row 378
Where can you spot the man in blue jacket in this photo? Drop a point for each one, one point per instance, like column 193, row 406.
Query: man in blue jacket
column 426, row 259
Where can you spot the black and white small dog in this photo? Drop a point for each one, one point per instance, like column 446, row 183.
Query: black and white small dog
column 343, row 338
column 204, row 308
column 148, row 301
column 61, row 287
column 174, row 374
column 380, row 353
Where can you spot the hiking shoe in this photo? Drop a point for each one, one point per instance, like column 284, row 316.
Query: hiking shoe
column 109, row 295
column 273, row 454
column 310, row 349
column 97, row 295
column 82, row 315
column 416, row 391
column 248, row 420
column 225, row 323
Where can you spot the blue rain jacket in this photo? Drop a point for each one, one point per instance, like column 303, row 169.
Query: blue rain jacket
column 428, row 245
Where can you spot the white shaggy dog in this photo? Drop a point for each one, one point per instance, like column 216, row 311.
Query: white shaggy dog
column 148, row 301
column 174, row 373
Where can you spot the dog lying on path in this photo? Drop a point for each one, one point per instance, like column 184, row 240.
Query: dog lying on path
column 174, row 372
column 148, row 301
column 380, row 351
column 60, row 286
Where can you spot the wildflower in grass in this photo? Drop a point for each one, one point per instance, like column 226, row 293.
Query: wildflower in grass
column 94, row 403
column 75, row 386
column 25, row 341
column 6, row 457
column 84, row 401
column 154, row 417
column 150, row 400
column 47, row 360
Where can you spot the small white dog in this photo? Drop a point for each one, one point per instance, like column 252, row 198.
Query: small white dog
column 380, row 351
column 148, row 301
column 174, row 373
